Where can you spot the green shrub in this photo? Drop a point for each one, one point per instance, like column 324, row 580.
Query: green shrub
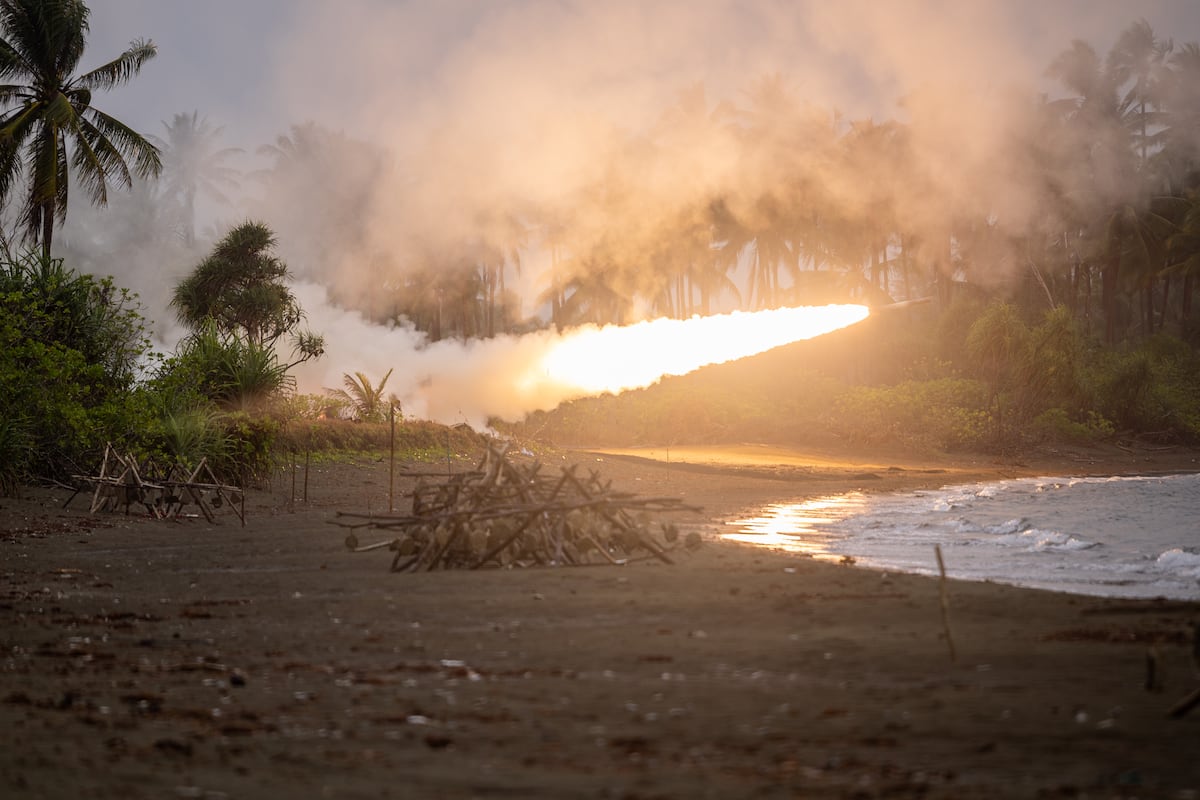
column 249, row 447
column 1055, row 424
column 1049, row 375
column 415, row 439
column 185, row 436
column 209, row 367
column 310, row 407
column 1122, row 385
column 946, row 414
column 16, row 454
column 70, row 350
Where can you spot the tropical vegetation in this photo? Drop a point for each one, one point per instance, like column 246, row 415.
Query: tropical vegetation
column 71, row 347
column 1060, row 260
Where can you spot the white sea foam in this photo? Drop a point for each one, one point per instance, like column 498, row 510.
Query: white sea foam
column 1179, row 562
column 1008, row 526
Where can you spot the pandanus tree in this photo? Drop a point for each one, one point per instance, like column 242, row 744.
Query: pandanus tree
column 238, row 305
column 241, row 288
column 49, row 128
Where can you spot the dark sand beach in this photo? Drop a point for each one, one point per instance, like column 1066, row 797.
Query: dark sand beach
column 142, row 658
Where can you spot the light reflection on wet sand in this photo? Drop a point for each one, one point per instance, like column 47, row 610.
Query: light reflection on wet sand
column 796, row 527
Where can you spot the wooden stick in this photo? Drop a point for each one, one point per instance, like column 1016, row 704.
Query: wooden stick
column 366, row 548
column 496, row 550
column 392, row 458
column 614, row 519
column 945, row 602
column 223, row 492
column 620, row 562
column 1184, row 705
column 536, row 508
column 103, row 471
column 1153, row 670
column 196, row 495
column 444, row 548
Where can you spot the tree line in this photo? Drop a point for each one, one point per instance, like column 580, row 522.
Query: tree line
column 1082, row 218
column 1085, row 198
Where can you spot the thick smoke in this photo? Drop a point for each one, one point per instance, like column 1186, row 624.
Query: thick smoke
column 440, row 129
column 508, row 375
column 602, row 118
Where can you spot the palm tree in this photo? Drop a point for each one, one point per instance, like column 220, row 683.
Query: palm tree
column 1180, row 155
column 772, row 122
column 502, row 236
column 1185, row 254
column 787, row 145
column 698, row 140
column 1139, row 58
column 47, row 110
column 318, row 192
column 849, row 231
column 365, row 399
column 1095, row 119
column 194, row 164
column 590, row 295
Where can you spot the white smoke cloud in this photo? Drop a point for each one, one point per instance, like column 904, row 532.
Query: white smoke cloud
column 487, row 107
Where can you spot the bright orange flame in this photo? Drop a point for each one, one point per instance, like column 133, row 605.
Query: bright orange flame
column 616, row 358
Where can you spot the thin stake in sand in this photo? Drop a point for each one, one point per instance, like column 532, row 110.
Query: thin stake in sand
column 945, row 602
column 391, row 458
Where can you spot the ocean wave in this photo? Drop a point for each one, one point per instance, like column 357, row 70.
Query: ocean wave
column 1180, row 562
column 1015, row 525
column 1038, row 540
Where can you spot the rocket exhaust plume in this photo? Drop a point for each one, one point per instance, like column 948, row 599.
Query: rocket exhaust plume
column 510, row 376
column 617, row 358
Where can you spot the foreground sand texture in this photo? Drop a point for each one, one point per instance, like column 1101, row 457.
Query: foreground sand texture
column 142, row 658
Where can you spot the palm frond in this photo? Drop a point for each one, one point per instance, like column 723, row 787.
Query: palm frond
column 121, row 69
column 125, row 142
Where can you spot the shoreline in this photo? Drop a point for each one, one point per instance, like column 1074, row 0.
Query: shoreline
column 999, row 530
column 156, row 659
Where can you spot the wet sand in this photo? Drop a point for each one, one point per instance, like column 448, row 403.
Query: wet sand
column 145, row 658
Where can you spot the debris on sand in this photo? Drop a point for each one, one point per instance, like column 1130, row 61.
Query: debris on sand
column 506, row 514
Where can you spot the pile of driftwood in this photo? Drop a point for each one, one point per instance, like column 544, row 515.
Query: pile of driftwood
column 505, row 514
column 163, row 493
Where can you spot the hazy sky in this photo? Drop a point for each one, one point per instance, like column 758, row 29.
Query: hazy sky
column 256, row 66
